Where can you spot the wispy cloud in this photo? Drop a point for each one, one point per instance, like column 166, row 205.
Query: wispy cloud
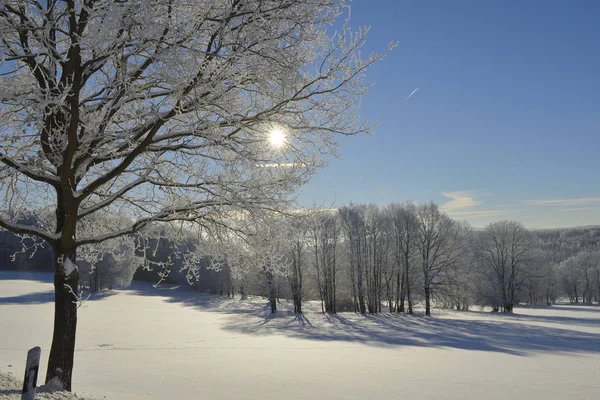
column 483, row 213
column 564, row 202
column 459, row 200
column 411, row 93
column 464, row 204
column 577, row 209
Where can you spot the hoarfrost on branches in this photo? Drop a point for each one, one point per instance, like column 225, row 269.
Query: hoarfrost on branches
column 115, row 116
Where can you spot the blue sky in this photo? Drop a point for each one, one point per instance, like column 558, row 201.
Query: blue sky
column 505, row 123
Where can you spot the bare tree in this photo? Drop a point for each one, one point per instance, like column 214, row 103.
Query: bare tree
column 581, row 276
column 352, row 219
column 376, row 257
column 404, row 235
column 324, row 242
column 271, row 252
column 539, row 285
column 158, row 111
column 298, row 233
column 440, row 243
column 503, row 251
column 594, row 262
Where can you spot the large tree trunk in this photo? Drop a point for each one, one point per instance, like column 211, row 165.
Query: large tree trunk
column 66, row 284
column 60, row 362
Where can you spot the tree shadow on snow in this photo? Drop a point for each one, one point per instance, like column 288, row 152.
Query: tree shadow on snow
column 400, row 330
column 46, row 277
column 510, row 334
column 30, row 298
column 553, row 319
column 189, row 297
column 569, row 321
column 10, row 392
column 48, row 297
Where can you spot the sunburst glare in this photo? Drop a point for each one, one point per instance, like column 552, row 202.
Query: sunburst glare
column 277, row 138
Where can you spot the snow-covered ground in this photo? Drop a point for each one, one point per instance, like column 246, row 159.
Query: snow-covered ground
column 146, row 343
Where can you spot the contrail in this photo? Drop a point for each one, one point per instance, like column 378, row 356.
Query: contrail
column 413, row 92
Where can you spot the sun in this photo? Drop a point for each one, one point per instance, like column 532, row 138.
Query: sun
column 277, row 138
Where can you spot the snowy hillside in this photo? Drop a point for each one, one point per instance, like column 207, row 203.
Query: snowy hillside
column 172, row 343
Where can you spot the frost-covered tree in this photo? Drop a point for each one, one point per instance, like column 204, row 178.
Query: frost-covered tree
column 440, row 244
column 108, row 265
column 274, row 252
column 324, row 240
column 571, row 279
column 540, row 283
column 352, row 219
column 594, row 263
column 159, row 111
column 503, row 252
column 377, row 254
column 298, row 233
column 581, row 276
column 404, row 226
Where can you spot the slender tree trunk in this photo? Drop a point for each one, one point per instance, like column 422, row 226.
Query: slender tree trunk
column 272, row 294
column 333, row 284
column 548, row 296
column 427, row 300
column 296, row 280
column 598, row 283
column 362, row 308
column 402, row 290
column 320, row 288
column 354, row 285
column 389, row 285
column 407, row 282
column 299, row 293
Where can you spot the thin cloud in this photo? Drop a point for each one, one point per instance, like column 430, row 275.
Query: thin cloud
column 576, row 209
column 463, row 204
column 459, row 200
column 483, row 213
column 564, row 202
column 411, row 93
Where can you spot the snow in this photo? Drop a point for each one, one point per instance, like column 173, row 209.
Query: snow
column 172, row 343
column 69, row 266
column 10, row 389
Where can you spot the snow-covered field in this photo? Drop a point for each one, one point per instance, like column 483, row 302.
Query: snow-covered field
column 146, row 343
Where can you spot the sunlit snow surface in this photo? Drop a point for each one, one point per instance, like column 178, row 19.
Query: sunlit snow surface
column 168, row 343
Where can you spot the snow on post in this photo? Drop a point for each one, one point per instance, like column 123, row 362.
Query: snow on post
column 31, row 373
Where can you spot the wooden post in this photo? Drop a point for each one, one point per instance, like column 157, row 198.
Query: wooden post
column 31, row 373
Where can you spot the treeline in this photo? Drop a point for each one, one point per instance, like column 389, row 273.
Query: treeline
column 362, row 258
column 368, row 259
